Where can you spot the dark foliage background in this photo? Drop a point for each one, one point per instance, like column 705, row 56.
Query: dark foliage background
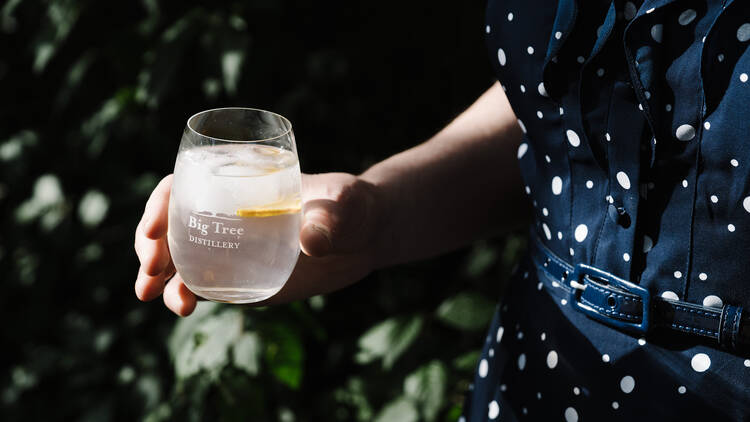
column 95, row 95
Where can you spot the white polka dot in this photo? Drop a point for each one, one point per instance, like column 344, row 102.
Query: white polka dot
column 499, row 335
column 483, row 368
column 521, row 361
column 743, row 32
column 589, row 184
column 607, row 137
column 684, row 183
column 562, row 111
column 650, row 10
column 731, row 227
column 600, row 72
column 539, row 286
column 580, row 59
column 572, row 252
column 700, row 362
column 686, row 17
column 556, row 185
column 573, row 138
column 605, row 358
column 609, row 199
column 677, row 274
column 707, row 125
column 564, row 301
column 657, row 31
column 510, row 16
column 559, row 235
column 640, row 106
column 522, row 150
column 539, row 114
column 743, row 77
column 581, row 232
column 571, row 415
column 626, row 257
column 615, row 405
column 747, row 363
column 647, row 94
column 576, row 391
column 503, row 387
column 641, row 341
column 530, row 50
column 523, row 126
column 668, row 107
column 542, row 90
column 685, row 132
column 734, row 162
column 538, row 395
column 720, row 57
column 629, row 11
column 703, row 276
column 552, row 359
column 712, row 301
column 543, row 336
column 523, row 88
column 648, row 243
column 623, row 179
column 501, row 56
column 547, row 233
column 545, row 211
column 746, row 203
column 714, row 199
column 681, row 389
column 528, row 190
column 491, row 353
column 558, row 35
column 627, row 384
column 494, row 410
column 487, row 29
column 670, row 295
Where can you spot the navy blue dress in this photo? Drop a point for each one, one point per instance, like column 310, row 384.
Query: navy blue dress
column 636, row 157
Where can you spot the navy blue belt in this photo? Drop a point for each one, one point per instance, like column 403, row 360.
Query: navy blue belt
column 627, row 306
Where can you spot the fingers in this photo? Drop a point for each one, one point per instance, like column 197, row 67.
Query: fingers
column 178, row 298
column 154, row 221
column 149, row 287
column 153, row 254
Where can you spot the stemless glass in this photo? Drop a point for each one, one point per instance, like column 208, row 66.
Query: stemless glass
column 234, row 211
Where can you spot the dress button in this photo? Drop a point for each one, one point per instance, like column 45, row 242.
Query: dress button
column 618, row 215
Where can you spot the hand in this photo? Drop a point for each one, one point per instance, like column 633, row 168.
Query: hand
column 341, row 219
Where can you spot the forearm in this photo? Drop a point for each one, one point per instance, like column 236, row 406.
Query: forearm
column 462, row 184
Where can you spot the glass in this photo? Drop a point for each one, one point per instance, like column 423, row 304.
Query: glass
column 234, row 211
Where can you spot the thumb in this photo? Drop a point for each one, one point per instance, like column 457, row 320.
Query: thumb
column 322, row 218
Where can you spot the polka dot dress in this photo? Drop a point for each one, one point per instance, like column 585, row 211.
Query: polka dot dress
column 636, row 158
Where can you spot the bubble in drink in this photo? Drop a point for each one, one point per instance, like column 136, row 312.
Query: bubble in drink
column 234, row 220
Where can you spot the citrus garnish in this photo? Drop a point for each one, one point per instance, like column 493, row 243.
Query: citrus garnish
column 270, row 210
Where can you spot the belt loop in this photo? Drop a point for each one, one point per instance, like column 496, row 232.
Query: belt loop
column 729, row 326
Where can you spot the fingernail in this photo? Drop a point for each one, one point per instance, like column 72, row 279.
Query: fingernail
column 325, row 232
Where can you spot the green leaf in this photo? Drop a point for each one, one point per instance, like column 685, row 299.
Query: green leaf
column 480, row 260
column 284, row 354
column 388, row 340
column 466, row 311
column 467, row 361
column 246, row 352
column 202, row 342
column 400, row 410
column 426, row 386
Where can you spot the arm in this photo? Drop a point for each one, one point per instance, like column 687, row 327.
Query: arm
column 460, row 185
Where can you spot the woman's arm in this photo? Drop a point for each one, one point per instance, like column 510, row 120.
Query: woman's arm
column 460, row 185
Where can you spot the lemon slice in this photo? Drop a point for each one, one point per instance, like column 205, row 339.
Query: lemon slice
column 270, row 210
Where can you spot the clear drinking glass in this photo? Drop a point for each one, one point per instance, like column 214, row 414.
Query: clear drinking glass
column 234, row 211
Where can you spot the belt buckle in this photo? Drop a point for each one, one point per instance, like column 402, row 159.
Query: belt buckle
column 578, row 284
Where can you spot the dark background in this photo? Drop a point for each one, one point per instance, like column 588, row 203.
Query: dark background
column 95, row 95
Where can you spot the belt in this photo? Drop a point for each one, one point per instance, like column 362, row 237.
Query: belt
column 627, row 306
